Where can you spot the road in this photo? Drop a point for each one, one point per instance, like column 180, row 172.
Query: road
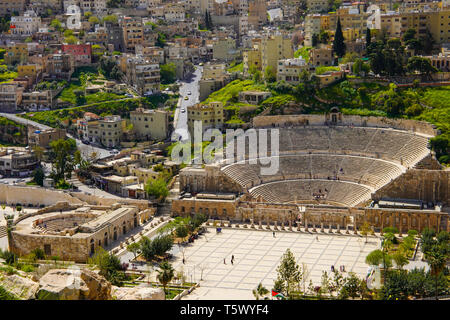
column 191, row 84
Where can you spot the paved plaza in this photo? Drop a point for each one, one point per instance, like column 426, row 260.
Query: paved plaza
column 257, row 255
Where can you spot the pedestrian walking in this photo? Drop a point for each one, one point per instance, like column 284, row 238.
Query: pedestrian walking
column 231, row 261
column 224, row 262
column 317, row 238
column 273, row 234
column 183, row 260
column 332, row 268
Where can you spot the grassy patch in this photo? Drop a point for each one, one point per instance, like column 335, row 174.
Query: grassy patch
column 303, row 52
column 236, row 68
column 323, row 69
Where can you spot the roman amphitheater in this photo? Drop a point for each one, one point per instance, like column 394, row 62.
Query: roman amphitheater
column 69, row 225
column 336, row 172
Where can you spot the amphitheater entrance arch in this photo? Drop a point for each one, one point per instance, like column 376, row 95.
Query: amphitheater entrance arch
column 105, row 240
column 135, row 220
column 115, row 234
column 124, row 228
column 92, row 246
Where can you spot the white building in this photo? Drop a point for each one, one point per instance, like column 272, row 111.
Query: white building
column 25, row 25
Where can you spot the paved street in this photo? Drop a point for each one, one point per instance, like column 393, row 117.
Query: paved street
column 257, row 256
column 187, row 85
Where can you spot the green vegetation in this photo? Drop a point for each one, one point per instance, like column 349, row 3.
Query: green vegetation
column 236, row 67
column 303, row 52
column 323, row 69
column 74, row 93
column 168, row 73
column 56, row 118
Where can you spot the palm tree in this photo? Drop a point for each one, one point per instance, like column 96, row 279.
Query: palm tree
column 437, row 260
column 260, row 291
column 166, row 274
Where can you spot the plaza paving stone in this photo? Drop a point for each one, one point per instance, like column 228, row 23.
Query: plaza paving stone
column 257, row 255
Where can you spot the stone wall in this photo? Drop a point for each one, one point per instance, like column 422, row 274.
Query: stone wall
column 101, row 201
column 400, row 124
column 66, row 248
column 208, row 179
column 425, row 185
column 34, row 196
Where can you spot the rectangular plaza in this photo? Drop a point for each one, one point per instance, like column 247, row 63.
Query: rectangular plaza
column 257, row 255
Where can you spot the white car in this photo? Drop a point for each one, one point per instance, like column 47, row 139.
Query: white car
column 189, row 93
column 183, row 110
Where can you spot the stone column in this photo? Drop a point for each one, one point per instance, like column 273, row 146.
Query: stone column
column 330, row 228
column 321, row 227
column 338, row 228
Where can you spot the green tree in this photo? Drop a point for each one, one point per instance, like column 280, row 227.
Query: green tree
column 168, row 73
column 368, row 37
column 39, row 176
column 62, row 159
column 165, row 274
column 94, row 20
column 108, row 264
column 338, row 43
column 366, row 230
column 157, row 188
column 56, row 24
column 400, row 260
column 420, row 65
column 436, row 259
column 260, row 291
column 353, row 287
column 111, row 19
column 269, row 74
column 134, row 248
column 71, row 40
column 289, row 273
column 374, row 258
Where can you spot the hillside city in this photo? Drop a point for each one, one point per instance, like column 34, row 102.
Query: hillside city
column 347, row 102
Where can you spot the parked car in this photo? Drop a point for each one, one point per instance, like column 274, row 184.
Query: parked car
column 186, row 98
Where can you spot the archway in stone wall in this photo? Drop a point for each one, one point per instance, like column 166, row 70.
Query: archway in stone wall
column 92, row 246
column 115, row 234
column 105, row 239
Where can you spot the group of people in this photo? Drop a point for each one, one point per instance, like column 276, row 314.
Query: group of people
column 341, row 268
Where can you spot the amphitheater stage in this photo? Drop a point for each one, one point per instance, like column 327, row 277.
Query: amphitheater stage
column 257, row 255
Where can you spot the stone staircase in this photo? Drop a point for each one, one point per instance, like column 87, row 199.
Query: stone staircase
column 3, row 231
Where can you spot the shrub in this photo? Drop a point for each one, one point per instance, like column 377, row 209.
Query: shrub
column 27, row 268
column 39, row 254
column 393, row 230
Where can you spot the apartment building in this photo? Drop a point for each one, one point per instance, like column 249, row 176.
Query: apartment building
column 214, row 77
column 25, row 25
column 110, row 130
column 150, row 124
column 17, row 163
column 133, row 32
column 143, row 75
column 10, row 97
column 16, row 52
column 210, row 115
column 257, row 13
column 82, row 53
column 8, row 7
column 321, row 56
column 37, row 100
column 289, row 70
column 317, row 5
column 224, row 49
column 274, row 48
column 60, row 66
column 43, row 138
